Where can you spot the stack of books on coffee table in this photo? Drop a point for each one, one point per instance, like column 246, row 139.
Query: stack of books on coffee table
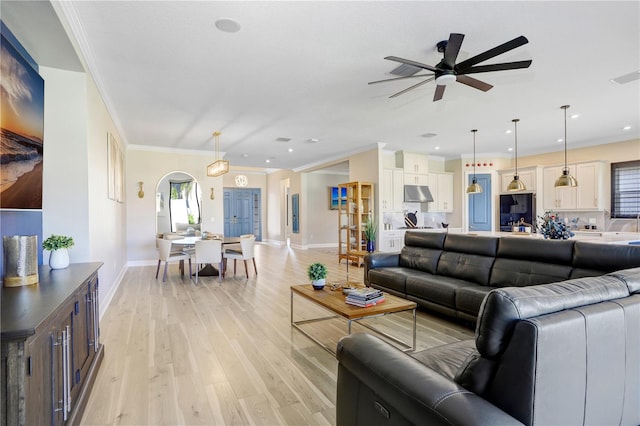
column 365, row 297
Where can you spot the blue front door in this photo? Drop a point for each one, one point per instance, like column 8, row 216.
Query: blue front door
column 480, row 205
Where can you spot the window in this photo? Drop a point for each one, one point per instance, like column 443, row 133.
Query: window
column 625, row 189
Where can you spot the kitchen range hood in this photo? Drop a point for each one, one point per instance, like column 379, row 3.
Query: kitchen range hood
column 417, row 194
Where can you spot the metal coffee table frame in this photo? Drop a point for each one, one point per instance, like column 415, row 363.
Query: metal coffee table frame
column 296, row 324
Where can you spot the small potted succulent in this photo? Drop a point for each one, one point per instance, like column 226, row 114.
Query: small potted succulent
column 317, row 273
column 58, row 245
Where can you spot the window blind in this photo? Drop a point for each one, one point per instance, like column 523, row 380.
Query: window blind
column 625, row 189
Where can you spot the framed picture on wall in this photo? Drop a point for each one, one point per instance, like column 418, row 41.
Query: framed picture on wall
column 334, row 199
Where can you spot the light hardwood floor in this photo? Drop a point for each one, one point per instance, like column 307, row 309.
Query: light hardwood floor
column 225, row 353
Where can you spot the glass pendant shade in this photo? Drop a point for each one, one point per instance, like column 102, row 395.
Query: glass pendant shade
column 218, row 167
column 516, row 184
column 475, row 187
column 565, row 179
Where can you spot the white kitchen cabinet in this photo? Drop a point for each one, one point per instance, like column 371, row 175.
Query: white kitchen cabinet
column 391, row 241
column 416, row 179
column 413, row 163
column 588, row 195
column 590, row 186
column 441, row 187
column 392, row 190
column 527, row 176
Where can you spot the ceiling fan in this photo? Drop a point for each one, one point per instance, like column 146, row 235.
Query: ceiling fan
column 447, row 71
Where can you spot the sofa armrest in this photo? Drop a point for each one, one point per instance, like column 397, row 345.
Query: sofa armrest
column 379, row 260
column 377, row 382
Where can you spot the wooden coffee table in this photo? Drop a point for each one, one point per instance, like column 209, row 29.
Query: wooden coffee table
column 334, row 301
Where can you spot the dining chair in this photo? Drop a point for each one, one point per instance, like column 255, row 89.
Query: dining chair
column 209, row 251
column 247, row 246
column 166, row 255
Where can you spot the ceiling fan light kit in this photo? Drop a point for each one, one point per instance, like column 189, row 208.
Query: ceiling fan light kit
column 447, row 71
column 475, row 187
column 565, row 179
column 516, row 184
column 218, row 167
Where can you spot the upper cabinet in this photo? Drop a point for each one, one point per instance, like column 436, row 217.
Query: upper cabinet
column 392, row 190
column 441, row 187
column 413, row 163
column 588, row 195
column 528, row 176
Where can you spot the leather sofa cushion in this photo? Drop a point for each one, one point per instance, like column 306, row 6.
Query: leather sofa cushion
column 433, row 240
column 435, row 288
column 484, row 246
column 392, row 278
column 470, row 267
column 446, row 359
column 502, row 308
column 469, row 299
column 522, row 273
column 422, row 259
column 631, row 277
column 613, row 258
column 536, row 249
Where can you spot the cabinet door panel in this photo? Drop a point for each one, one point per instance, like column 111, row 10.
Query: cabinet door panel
column 40, row 378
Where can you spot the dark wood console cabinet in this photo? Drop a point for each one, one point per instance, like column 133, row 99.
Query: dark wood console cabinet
column 51, row 351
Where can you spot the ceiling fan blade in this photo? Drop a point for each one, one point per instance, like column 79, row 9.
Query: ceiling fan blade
column 497, row 67
column 399, row 78
column 413, row 63
column 476, row 84
column 412, row 87
column 498, row 50
column 452, row 49
column 439, row 92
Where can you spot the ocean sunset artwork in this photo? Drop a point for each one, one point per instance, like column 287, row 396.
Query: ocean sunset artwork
column 21, row 131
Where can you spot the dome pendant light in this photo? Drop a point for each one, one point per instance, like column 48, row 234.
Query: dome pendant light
column 475, row 187
column 565, row 180
column 516, row 184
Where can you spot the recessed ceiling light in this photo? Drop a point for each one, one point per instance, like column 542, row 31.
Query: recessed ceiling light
column 245, row 155
column 626, row 128
column 290, row 149
column 228, row 25
column 313, row 140
column 560, row 140
column 509, row 149
column 267, row 161
column 575, row 115
column 437, row 148
column 507, row 131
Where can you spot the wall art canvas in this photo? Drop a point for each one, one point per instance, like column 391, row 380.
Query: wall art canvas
column 21, row 131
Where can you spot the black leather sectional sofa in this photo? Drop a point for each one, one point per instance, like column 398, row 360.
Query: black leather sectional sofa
column 452, row 273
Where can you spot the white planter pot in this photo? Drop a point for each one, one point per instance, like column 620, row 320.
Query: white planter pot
column 318, row 284
column 59, row 259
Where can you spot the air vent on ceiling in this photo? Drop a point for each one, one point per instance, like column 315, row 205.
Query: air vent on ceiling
column 283, row 139
column 405, row 70
column 627, row 78
column 428, row 135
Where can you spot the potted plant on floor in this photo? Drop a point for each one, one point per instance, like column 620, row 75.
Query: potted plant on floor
column 317, row 273
column 370, row 232
column 58, row 245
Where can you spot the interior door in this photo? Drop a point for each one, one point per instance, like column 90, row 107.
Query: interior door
column 480, row 205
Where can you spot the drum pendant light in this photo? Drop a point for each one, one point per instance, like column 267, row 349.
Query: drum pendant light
column 565, row 179
column 516, row 184
column 475, row 187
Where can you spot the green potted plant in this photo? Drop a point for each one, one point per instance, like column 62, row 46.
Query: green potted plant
column 317, row 273
column 58, row 245
column 370, row 232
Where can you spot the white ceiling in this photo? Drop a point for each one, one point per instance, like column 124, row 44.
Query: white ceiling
column 299, row 70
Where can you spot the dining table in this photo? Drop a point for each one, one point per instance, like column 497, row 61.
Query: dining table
column 208, row 270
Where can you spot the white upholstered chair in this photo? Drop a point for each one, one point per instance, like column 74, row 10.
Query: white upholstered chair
column 166, row 255
column 246, row 252
column 209, row 251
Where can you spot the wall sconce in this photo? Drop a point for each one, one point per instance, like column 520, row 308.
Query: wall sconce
column 140, row 191
column 212, row 196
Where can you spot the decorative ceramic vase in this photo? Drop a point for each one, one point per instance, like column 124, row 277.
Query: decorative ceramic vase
column 371, row 246
column 318, row 284
column 59, row 259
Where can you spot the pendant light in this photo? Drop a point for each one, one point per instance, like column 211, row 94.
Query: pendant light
column 218, row 167
column 565, row 179
column 516, row 184
column 475, row 187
